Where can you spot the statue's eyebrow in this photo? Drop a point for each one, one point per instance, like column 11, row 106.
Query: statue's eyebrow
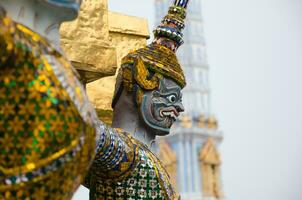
column 173, row 89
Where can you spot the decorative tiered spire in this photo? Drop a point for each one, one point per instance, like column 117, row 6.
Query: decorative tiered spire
column 181, row 3
column 168, row 33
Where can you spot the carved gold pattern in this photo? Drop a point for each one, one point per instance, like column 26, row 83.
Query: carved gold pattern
column 207, row 122
column 202, row 122
column 212, row 123
column 186, row 121
column 209, row 159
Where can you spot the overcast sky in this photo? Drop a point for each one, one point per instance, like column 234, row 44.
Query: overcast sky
column 255, row 58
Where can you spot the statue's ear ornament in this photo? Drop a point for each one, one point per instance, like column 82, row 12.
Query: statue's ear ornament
column 142, row 76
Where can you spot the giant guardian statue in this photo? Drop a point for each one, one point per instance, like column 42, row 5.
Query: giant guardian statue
column 146, row 103
column 49, row 132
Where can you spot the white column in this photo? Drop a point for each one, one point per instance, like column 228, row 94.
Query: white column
column 189, row 164
column 181, row 164
column 195, row 167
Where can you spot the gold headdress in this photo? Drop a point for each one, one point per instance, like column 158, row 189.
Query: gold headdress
column 142, row 69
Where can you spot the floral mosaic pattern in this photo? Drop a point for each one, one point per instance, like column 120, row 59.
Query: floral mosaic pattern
column 132, row 173
column 46, row 121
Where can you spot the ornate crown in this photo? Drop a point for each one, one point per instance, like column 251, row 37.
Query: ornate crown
column 143, row 68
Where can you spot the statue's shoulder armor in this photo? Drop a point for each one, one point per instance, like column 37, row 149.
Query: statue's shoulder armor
column 117, row 158
column 25, row 47
column 145, row 179
column 47, row 132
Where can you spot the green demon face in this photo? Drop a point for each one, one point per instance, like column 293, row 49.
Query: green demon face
column 160, row 108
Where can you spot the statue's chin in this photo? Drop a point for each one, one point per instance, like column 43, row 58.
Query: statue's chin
column 162, row 133
column 158, row 130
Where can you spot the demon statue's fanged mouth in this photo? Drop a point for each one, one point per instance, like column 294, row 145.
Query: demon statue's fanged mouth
column 160, row 108
column 170, row 112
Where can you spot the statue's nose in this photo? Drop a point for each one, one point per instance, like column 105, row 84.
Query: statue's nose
column 179, row 107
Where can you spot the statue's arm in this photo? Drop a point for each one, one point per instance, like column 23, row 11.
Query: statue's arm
column 116, row 155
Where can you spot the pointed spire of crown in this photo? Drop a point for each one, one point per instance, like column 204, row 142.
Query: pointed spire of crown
column 169, row 32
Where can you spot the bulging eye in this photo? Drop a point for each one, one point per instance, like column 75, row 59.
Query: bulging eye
column 172, row 98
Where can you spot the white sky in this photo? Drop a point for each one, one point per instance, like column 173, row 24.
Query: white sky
column 255, row 57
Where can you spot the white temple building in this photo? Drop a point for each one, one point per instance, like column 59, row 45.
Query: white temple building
column 190, row 153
